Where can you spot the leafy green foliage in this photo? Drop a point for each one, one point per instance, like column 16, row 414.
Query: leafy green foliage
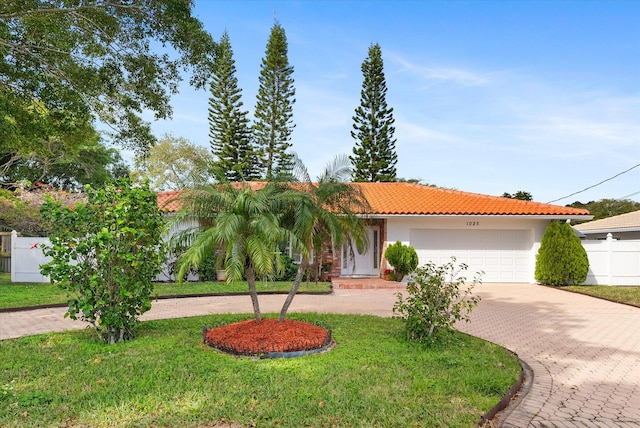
column 171, row 164
column 605, row 208
column 561, row 259
column 21, row 216
column 438, row 296
column 238, row 224
column 54, row 147
column 274, row 106
column 231, row 141
column 95, row 57
column 105, row 254
column 322, row 211
column 403, row 258
column 20, row 210
column 289, row 269
column 374, row 155
column 520, row 194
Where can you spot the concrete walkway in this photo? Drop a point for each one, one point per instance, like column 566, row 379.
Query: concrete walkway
column 584, row 352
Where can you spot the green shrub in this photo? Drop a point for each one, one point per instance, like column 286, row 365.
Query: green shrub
column 289, row 269
column 561, row 259
column 403, row 258
column 438, row 296
column 105, row 253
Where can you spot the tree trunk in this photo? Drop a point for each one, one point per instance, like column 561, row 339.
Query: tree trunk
column 294, row 289
column 251, row 280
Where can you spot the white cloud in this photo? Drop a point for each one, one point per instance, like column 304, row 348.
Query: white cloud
column 436, row 75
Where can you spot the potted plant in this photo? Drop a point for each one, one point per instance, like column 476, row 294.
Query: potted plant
column 325, row 270
column 387, row 274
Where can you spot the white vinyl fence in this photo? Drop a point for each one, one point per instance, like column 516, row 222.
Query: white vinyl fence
column 26, row 258
column 613, row 262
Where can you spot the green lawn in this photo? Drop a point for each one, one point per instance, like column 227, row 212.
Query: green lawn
column 167, row 377
column 27, row 294
column 630, row 295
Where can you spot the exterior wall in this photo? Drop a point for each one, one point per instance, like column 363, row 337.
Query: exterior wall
column 613, row 262
column 399, row 229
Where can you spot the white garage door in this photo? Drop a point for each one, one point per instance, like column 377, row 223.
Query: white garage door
column 503, row 255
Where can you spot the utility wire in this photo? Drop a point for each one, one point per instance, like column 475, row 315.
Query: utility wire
column 628, row 196
column 595, row 185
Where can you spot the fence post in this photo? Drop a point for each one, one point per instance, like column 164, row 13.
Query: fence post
column 14, row 240
column 610, row 259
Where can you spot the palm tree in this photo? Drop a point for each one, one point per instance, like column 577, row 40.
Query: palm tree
column 240, row 224
column 329, row 210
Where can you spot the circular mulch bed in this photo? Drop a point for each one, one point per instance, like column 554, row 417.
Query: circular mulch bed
column 268, row 337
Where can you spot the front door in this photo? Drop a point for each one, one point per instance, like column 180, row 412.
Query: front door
column 366, row 263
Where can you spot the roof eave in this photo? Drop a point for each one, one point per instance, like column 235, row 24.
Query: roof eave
column 527, row 216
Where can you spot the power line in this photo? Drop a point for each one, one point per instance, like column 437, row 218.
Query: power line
column 595, row 185
column 628, row 196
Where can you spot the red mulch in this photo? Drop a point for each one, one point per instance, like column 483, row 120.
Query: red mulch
column 269, row 335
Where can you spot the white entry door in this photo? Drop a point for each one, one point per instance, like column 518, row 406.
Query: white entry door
column 366, row 263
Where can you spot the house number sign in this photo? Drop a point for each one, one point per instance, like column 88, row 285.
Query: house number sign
column 473, row 223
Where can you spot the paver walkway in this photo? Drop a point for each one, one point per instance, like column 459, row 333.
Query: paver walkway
column 584, row 352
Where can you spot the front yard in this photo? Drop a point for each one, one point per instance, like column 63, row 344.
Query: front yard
column 27, row 294
column 168, row 377
column 629, row 295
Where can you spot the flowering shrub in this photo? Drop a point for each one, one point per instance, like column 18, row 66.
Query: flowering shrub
column 106, row 254
column 438, row 297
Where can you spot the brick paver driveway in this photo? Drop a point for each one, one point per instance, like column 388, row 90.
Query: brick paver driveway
column 584, row 352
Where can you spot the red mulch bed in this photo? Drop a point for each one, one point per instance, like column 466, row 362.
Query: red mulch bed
column 267, row 336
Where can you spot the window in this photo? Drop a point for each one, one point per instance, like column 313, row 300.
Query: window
column 376, row 249
column 295, row 255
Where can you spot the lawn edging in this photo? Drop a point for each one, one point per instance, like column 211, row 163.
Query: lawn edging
column 498, row 413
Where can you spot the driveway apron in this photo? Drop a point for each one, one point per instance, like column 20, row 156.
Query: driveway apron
column 584, row 352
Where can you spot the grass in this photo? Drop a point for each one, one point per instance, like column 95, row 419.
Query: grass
column 167, row 377
column 32, row 294
column 629, row 295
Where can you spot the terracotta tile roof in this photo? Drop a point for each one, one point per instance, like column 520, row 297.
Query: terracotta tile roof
column 416, row 199
column 628, row 221
column 168, row 201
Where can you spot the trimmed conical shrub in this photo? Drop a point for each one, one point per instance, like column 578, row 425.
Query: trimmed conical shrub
column 561, row 259
column 403, row 258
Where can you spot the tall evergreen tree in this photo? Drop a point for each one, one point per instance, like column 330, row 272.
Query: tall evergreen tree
column 374, row 155
column 228, row 124
column 274, row 106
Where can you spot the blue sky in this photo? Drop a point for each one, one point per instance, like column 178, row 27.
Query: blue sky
column 488, row 96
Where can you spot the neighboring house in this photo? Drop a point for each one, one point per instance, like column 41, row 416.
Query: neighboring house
column 499, row 236
column 622, row 227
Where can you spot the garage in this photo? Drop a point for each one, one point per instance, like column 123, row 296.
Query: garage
column 503, row 255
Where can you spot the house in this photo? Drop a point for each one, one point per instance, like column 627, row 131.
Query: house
column 499, row 236
column 622, row 227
